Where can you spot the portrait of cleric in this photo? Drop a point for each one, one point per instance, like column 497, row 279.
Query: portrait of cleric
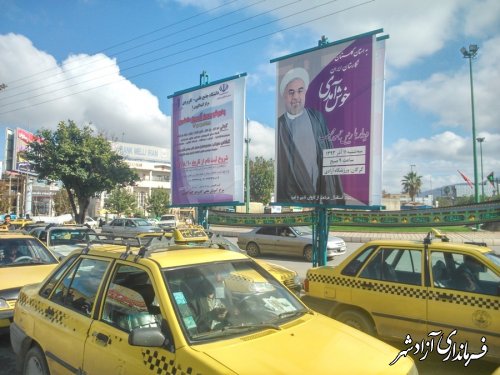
column 301, row 138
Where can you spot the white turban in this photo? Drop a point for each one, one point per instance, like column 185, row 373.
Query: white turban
column 292, row 74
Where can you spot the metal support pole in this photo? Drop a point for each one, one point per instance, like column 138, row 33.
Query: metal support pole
column 470, row 54
column 203, row 217
column 481, row 140
column 476, row 192
column 247, row 172
column 320, row 236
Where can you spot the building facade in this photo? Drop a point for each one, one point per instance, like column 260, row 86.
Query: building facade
column 151, row 164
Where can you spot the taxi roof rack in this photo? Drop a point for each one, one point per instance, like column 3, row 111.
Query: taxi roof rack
column 148, row 243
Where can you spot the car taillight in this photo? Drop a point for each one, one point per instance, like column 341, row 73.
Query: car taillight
column 306, row 284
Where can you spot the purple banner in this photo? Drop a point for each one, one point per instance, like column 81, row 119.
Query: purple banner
column 325, row 125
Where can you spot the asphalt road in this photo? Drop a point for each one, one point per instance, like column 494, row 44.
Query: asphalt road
column 433, row 365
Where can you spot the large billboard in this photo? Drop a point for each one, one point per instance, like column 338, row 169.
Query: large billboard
column 207, row 143
column 21, row 140
column 330, row 124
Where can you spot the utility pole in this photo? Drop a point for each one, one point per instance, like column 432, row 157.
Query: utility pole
column 247, row 171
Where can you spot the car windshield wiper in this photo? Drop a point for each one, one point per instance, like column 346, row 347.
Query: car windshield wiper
column 291, row 314
column 252, row 326
column 228, row 330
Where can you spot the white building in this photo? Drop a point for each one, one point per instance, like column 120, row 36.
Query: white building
column 150, row 163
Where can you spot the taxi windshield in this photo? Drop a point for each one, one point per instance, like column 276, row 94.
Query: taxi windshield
column 19, row 252
column 495, row 258
column 225, row 299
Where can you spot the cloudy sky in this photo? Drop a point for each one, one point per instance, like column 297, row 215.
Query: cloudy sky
column 114, row 64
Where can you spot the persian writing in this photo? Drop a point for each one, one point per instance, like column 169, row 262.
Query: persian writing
column 451, row 350
column 210, row 138
column 203, row 117
column 316, row 197
column 347, row 137
column 353, row 52
column 344, row 161
column 200, row 98
column 334, row 94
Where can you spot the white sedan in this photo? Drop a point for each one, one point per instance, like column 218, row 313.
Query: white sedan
column 283, row 240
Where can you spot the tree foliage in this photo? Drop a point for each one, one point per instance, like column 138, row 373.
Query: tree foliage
column 61, row 202
column 84, row 163
column 261, row 179
column 412, row 184
column 5, row 198
column 158, row 201
column 120, row 201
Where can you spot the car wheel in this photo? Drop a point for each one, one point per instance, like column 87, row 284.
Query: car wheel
column 308, row 253
column 357, row 320
column 35, row 363
column 253, row 249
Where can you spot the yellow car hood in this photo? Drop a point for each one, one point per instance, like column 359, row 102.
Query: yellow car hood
column 309, row 345
column 16, row 277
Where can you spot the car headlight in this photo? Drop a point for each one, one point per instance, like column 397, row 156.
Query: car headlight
column 3, row 304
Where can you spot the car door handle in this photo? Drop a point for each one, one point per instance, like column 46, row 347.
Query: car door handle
column 366, row 285
column 101, row 337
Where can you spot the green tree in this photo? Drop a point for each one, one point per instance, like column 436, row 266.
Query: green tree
column 5, row 198
column 261, row 179
column 158, row 201
column 412, row 184
column 121, row 201
column 84, row 163
column 61, row 202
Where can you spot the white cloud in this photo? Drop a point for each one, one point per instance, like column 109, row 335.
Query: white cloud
column 437, row 159
column 262, row 140
column 447, row 95
column 120, row 109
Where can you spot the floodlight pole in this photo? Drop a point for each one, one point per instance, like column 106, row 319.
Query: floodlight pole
column 247, row 172
column 481, row 140
column 470, row 54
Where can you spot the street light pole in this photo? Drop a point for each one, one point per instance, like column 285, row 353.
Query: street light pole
column 247, row 172
column 470, row 54
column 481, row 140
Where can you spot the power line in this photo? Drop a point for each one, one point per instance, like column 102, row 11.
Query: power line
column 134, row 57
column 195, row 57
column 137, row 37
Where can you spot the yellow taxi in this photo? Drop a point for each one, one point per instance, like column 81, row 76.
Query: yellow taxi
column 23, row 260
column 20, row 223
column 196, row 235
column 155, row 309
column 419, row 293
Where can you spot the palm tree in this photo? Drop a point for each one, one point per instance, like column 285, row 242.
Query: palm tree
column 412, row 184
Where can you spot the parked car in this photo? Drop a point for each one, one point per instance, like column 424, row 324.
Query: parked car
column 129, row 227
column 91, row 223
column 140, row 310
column 62, row 240
column 23, row 260
column 399, row 288
column 283, row 240
column 167, row 221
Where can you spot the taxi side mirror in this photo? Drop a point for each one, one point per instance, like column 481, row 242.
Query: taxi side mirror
column 147, row 336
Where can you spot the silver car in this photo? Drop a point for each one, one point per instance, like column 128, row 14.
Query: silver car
column 291, row 241
column 129, row 227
